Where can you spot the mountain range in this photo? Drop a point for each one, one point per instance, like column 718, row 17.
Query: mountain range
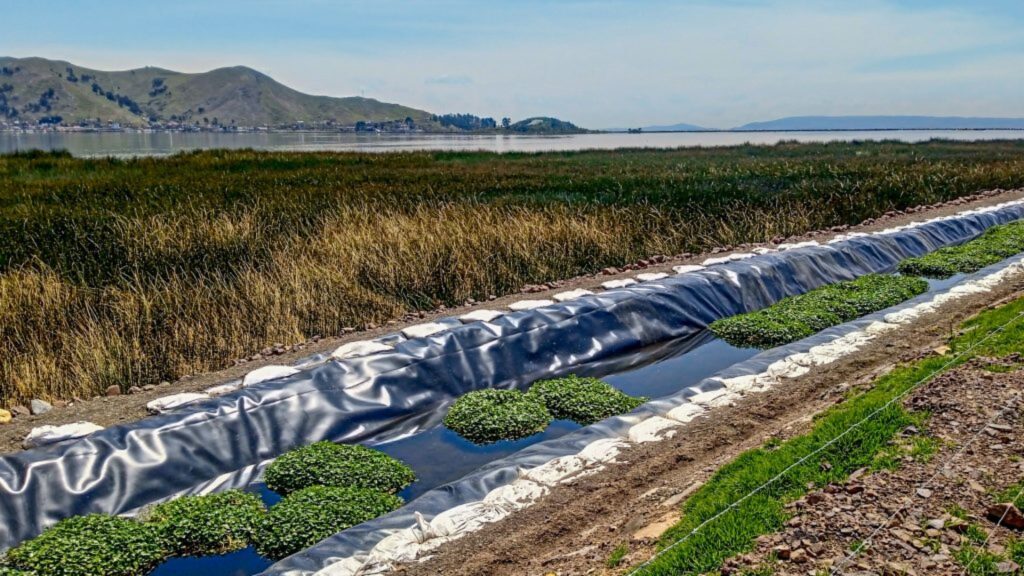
column 858, row 123
column 36, row 88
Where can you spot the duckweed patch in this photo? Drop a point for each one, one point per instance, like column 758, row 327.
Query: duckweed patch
column 208, row 524
column 93, row 545
column 309, row 515
column 487, row 416
column 996, row 244
column 797, row 317
column 583, row 400
column 342, row 465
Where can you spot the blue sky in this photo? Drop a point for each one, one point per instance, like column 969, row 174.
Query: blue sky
column 602, row 63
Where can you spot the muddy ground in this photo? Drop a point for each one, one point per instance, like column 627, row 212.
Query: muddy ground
column 575, row 528
column 113, row 410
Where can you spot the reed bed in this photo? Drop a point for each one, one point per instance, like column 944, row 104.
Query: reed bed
column 127, row 272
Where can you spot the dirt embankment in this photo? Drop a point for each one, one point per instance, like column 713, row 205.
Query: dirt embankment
column 113, row 410
column 576, row 528
column 918, row 518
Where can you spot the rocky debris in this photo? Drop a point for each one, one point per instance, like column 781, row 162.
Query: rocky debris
column 113, row 390
column 40, row 406
column 907, row 512
column 19, row 410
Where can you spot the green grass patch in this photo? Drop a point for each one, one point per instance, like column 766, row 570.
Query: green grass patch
column 341, row 465
column 617, row 555
column 94, row 545
column 723, row 536
column 1013, row 493
column 980, row 562
column 582, row 400
column 487, row 416
column 996, row 244
column 308, row 516
column 797, row 317
column 208, row 524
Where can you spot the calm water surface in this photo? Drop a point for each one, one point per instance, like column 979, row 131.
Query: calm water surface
column 161, row 143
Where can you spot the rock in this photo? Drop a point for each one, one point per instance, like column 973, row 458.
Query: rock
column 924, row 493
column 148, row 387
column 113, row 390
column 40, row 406
column 19, row 410
column 5, row 416
column 135, row 390
column 936, row 524
column 1007, row 567
column 1006, row 514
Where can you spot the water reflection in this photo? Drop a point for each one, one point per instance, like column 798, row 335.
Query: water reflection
column 159, row 143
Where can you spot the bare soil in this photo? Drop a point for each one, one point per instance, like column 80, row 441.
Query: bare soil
column 577, row 526
column 113, row 410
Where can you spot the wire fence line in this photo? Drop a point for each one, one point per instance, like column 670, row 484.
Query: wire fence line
column 955, row 358
column 989, row 534
column 867, row 541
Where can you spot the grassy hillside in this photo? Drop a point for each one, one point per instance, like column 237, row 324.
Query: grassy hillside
column 133, row 271
column 37, row 88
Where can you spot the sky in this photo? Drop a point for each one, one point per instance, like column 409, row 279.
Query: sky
column 600, row 64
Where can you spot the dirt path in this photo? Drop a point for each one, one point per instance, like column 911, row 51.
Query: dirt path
column 575, row 529
column 109, row 411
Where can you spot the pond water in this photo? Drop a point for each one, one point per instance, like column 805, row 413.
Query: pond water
column 162, row 143
column 440, row 456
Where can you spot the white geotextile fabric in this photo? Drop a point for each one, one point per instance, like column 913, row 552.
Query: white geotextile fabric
column 42, row 435
column 168, row 403
column 651, row 276
column 266, row 373
column 613, row 284
column 359, row 348
column 481, row 315
column 571, row 295
column 529, row 304
column 423, row 330
column 687, row 268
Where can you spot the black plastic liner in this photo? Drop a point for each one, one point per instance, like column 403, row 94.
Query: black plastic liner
column 359, row 540
column 222, row 442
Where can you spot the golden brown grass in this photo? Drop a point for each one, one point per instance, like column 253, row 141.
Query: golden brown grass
column 130, row 272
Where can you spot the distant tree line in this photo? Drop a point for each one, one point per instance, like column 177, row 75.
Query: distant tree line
column 465, row 121
column 121, row 100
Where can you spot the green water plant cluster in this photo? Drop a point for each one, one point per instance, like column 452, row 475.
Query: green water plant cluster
column 998, row 243
column 93, row 545
column 330, row 464
column 327, row 488
column 583, row 400
column 487, row 416
column 311, row 514
column 208, row 524
column 797, row 317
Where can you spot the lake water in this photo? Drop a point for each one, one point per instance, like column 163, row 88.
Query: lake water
column 160, row 143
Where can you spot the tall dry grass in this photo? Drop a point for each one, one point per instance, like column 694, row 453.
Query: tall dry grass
column 129, row 272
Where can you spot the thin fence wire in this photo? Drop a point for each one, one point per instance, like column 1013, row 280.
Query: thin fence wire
column 988, row 536
column 867, row 541
column 824, row 446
